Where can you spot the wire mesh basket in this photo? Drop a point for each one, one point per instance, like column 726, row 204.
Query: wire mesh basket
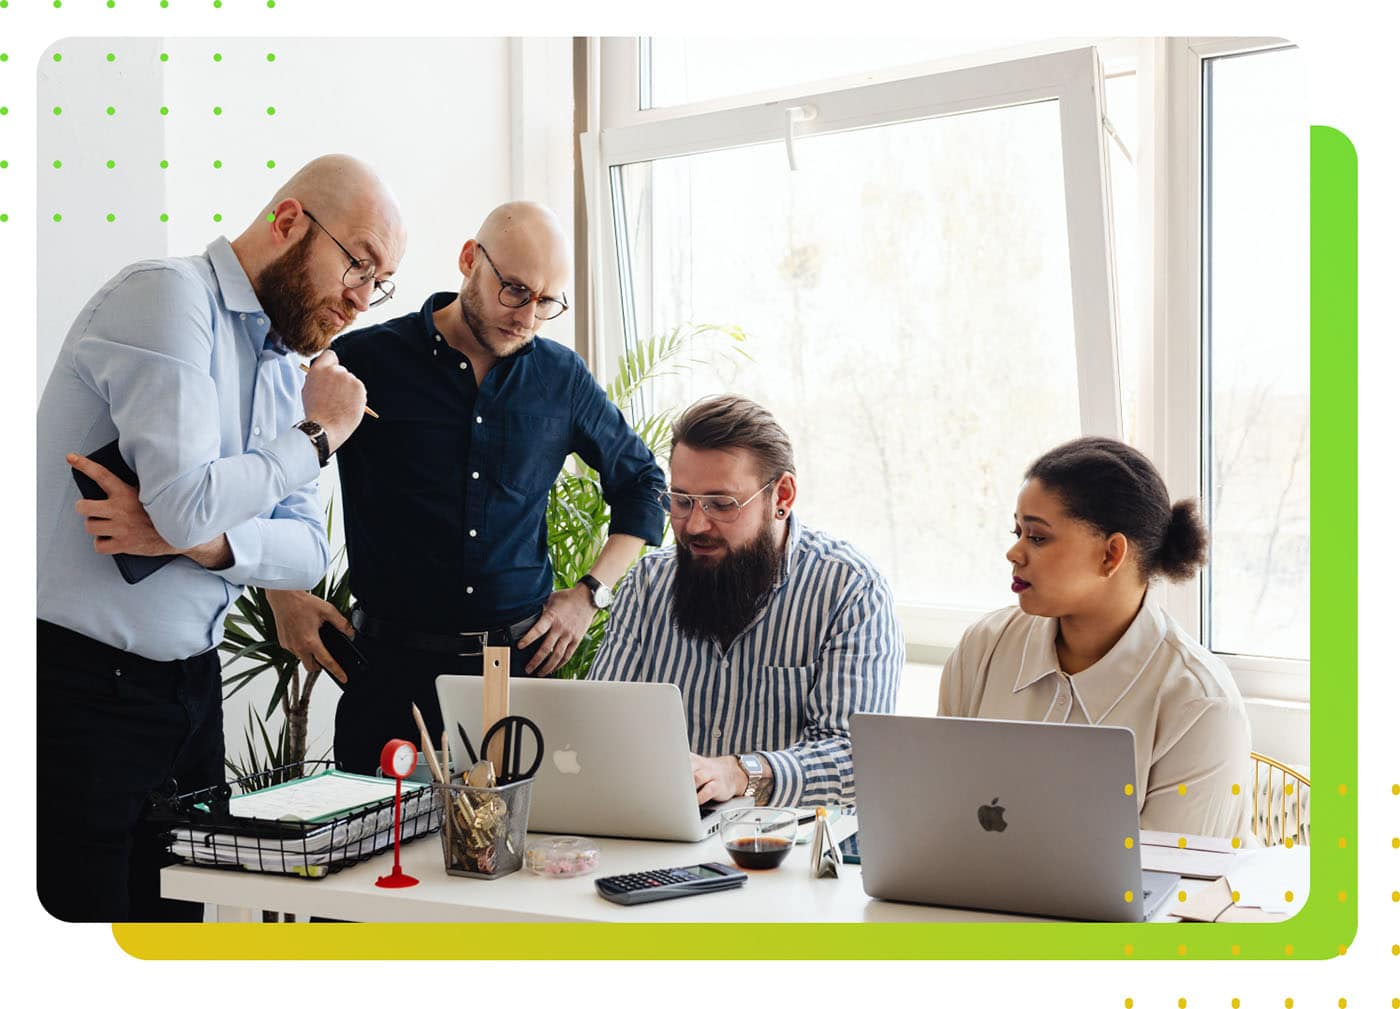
column 483, row 829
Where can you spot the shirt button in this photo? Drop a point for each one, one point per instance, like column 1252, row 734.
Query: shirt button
column 470, row 590
column 243, row 315
column 116, row 672
column 257, row 431
column 476, row 475
column 262, row 320
column 462, row 365
column 471, row 532
column 717, row 733
column 478, row 420
column 435, row 352
column 437, row 337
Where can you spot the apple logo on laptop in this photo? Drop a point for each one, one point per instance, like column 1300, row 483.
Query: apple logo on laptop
column 566, row 760
column 990, row 816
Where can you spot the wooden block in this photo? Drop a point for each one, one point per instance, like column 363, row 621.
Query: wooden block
column 495, row 675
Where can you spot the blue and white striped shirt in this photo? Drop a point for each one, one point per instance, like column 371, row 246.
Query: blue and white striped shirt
column 824, row 646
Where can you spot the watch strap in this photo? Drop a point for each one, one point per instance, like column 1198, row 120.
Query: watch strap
column 318, row 437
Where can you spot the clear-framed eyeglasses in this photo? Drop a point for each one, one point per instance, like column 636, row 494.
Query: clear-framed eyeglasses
column 717, row 507
column 360, row 271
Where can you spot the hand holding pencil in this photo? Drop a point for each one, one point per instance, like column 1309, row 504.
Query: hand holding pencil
column 333, row 398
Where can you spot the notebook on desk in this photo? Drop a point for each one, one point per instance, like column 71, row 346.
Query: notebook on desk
column 1022, row 817
column 617, row 756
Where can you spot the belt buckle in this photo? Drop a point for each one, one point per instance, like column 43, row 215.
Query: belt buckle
column 481, row 639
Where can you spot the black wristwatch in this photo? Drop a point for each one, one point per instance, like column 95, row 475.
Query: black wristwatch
column 317, row 434
column 601, row 595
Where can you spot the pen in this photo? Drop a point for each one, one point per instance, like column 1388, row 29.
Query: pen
column 304, row 368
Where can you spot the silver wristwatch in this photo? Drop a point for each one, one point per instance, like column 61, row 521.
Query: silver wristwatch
column 753, row 767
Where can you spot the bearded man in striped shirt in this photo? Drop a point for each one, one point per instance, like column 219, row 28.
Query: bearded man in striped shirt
column 774, row 632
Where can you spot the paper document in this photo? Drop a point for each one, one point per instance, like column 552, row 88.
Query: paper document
column 1194, row 842
column 1266, row 877
column 321, row 797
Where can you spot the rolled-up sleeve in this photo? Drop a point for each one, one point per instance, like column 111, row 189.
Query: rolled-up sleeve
column 632, row 481
column 153, row 367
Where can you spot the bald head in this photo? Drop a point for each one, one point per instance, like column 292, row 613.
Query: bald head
column 336, row 186
column 529, row 233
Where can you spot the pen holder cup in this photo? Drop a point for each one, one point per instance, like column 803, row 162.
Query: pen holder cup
column 483, row 829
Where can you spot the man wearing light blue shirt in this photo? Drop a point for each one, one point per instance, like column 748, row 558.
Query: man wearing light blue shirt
column 187, row 364
column 774, row 632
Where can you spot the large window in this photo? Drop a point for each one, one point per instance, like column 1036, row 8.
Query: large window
column 1256, row 353
column 926, row 294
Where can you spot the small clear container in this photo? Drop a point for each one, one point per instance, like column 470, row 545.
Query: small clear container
column 562, row 857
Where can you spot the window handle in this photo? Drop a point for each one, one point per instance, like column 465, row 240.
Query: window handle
column 797, row 114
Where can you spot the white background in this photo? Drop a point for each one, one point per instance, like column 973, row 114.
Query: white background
column 1349, row 59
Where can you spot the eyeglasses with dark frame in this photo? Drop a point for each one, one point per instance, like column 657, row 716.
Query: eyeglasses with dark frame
column 717, row 507
column 518, row 295
column 360, row 271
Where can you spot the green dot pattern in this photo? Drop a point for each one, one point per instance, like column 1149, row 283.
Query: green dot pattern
column 4, row 218
column 218, row 57
column 218, row 110
column 111, row 57
column 58, row 57
column 271, row 111
column 272, row 57
column 58, row 164
column 111, row 110
column 164, row 163
column 164, row 218
column 58, row 110
column 4, row 57
column 271, row 163
column 218, row 164
column 271, row 217
column 111, row 218
column 218, row 218
column 164, row 110
column 57, row 217
column 164, row 3
column 111, row 164
column 4, row 110
column 165, row 57
column 4, row 164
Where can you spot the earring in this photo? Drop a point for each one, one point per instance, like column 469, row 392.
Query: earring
column 781, row 513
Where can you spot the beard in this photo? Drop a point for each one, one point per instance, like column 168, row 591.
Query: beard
column 487, row 336
column 718, row 600
column 286, row 296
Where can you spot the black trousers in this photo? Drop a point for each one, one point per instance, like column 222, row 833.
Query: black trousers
column 378, row 708
column 113, row 728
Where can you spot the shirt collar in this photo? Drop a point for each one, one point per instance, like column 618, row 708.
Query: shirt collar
column 794, row 534
column 1100, row 687
column 431, row 332
column 234, row 286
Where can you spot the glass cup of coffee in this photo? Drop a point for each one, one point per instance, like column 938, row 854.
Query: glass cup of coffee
column 758, row 837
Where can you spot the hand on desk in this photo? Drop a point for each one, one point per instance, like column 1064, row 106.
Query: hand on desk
column 562, row 625
column 299, row 617
column 120, row 524
column 717, row 778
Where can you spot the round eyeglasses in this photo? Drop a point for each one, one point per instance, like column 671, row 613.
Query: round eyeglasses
column 514, row 295
column 360, row 271
column 717, row 507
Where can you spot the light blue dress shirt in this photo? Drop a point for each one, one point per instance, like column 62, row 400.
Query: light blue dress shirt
column 175, row 358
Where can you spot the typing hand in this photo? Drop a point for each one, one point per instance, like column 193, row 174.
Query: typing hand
column 717, row 778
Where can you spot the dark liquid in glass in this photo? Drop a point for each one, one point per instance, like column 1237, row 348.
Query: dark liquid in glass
column 758, row 852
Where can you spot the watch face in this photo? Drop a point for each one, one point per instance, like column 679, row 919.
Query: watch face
column 751, row 764
column 602, row 597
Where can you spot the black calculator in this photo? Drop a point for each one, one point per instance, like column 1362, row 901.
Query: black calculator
column 665, row 884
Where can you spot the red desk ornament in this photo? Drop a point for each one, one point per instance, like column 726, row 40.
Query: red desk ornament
column 397, row 760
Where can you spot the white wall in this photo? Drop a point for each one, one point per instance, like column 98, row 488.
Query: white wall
column 434, row 117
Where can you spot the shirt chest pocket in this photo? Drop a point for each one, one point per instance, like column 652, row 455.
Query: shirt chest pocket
column 778, row 705
column 531, row 452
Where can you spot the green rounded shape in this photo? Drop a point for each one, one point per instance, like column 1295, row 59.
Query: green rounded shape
column 111, row 4
column 4, row 164
column 111, row 218
column 218, row 110
column 218, row 164
column 218, row 57
column 57, row 4
column 164, row 111
column 164, row 217
column 271, row 111
column 111, row 57
column 58, row 164
column 272, row 57
column 111, row 164
column 271, row 216
column 271, row 163
column 218, row 4
column 111, row 110
column 4, row 57
column 58, row 57
column 165, row 57
column 218, row 218
column 4, row 217
column 58, row 217
column 58, row 110
column 4, row 110
column 270, row 3
column 165, row 3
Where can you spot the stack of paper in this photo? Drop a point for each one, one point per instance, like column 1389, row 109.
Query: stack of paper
column 1201, row 858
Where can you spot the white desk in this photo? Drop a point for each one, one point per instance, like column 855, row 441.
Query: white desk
column 785, row 894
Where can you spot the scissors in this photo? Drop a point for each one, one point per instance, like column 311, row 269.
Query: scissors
column 512, row 728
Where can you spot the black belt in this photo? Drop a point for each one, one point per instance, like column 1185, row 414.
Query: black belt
column 462, row 643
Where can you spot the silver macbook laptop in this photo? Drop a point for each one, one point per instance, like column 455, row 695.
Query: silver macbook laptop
column 616, row 761
column 1021, row 817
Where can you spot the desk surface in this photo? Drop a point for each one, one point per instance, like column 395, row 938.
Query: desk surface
column 787, row 893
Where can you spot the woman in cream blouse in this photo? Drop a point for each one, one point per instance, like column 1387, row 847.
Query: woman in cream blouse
column 1086, row 644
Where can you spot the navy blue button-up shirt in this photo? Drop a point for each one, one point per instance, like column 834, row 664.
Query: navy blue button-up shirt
column 445, row 493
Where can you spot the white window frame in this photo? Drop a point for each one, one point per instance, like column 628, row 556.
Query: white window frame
column 1169, row 169
column 1171, row 204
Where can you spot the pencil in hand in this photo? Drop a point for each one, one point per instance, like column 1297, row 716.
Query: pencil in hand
column 368, row 411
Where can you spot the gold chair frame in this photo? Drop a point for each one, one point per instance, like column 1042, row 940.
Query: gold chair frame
column 1290, row 796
